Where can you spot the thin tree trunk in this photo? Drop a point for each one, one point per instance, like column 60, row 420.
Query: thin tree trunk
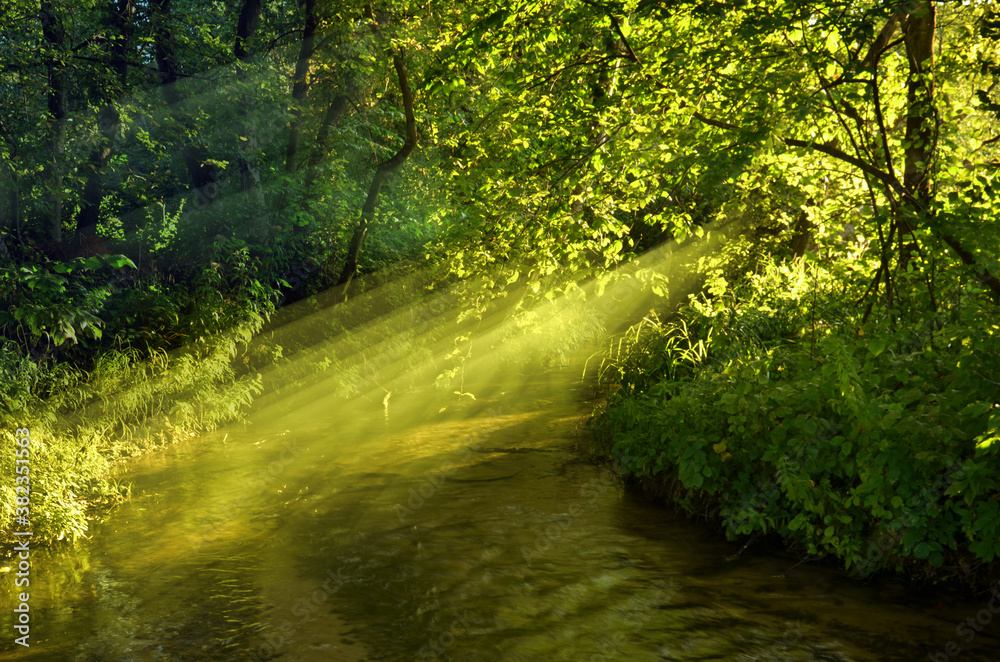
column 203, row 175
column 249, row 148
column 381, row 173
column 54, row 36
column 11, row 222
column 15, row 203
column 93, row 188
column 334, row 113
column 5, row 226
column 300, row 86
column 107, row 125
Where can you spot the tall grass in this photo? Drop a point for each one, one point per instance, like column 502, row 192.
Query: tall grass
column 82, row 423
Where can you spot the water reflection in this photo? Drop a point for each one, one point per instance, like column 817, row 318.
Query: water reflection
column 475, row 535
column 461, row 523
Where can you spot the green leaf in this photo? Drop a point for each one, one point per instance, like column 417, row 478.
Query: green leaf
column 976, row 409
column 118, row 261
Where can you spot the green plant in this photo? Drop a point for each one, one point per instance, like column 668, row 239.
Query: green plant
column 56, row 302
column 800, row 423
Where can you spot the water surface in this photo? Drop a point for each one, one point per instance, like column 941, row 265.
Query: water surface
column 327, row 531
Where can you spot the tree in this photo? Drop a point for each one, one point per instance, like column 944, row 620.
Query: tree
column 382, row 172
column 55, row 42
column 118, row 43
column 300, row 84
column 202, row 172
column 705, row 101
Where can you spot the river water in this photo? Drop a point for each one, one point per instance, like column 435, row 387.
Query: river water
column 322, row 531
column 463, row 524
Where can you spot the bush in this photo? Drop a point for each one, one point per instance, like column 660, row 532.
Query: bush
column 774, row 413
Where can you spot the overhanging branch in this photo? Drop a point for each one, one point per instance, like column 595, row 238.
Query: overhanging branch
column 985, row 276
column 716, row 123
column 829, row 150
column 881, row 175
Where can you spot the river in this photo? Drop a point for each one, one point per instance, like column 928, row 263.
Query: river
column 464, row 524
column 324, row 531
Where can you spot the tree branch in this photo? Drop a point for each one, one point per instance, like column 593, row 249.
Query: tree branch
column 984, row 275
column 411, row 122
column 881, row 43
column 274, row 42
column 716, row 123
column 829, row 150
column 628, row 47
column 382, row 172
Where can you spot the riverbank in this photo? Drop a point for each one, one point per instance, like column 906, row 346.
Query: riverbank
column 765, row 412
column 321, row 530
column 83, row 424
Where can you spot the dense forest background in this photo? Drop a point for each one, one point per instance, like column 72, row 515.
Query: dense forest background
column 173, row 172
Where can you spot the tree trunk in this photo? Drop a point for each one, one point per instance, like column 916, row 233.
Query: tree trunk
column 93, row 189
column 54, row 36
column 14, row 198
column 802, row 238
column 918, row 34
column 300, row 86
column 381, row 173
column 123, row 12
column 334, row 112
column 203, row 175
column 249, row 147
column 245, row 27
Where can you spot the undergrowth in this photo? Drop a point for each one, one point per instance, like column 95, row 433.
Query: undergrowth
column 774, row 409
column 82, row 423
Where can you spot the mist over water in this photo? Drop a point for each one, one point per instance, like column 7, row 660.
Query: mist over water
column 419, row 488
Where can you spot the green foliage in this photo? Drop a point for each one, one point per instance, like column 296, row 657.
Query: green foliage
column 228, row 292
column 557, row 141
column 781, row 417
column 84, row 423
column 55, row 302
